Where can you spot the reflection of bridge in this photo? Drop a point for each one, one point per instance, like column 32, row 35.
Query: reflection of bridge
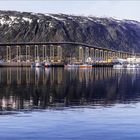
column 26, row 88
column 59, row 51
column 27, row 76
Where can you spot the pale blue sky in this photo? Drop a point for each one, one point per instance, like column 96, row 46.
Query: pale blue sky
column 121, row 9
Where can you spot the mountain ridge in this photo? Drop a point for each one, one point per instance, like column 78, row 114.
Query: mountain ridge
column 123, row 35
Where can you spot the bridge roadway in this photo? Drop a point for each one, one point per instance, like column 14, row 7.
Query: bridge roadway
column 63, row 43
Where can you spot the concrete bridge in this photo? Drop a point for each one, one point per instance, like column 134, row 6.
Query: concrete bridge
column 56, row 52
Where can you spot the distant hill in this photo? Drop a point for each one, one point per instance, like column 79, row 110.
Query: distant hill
column 103, row 32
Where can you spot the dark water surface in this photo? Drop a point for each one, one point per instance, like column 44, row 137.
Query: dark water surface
column 69, row 104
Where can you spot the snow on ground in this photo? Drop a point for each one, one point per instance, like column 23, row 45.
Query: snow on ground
column 11, row 20
column 27, row 19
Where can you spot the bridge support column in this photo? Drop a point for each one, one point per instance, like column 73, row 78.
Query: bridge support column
column 121, row 55
column 44, row 53
column 105, row 56
column 59, row 53
column 93, row 56
column 27, row 53
column 101, row 55
column 114, row 55
column 124, row 55
column 86, row 53
column 91, row 53
column 96, row 55
column 52, row 53
column 8, row 53
column 18, row 53
column 109, row 55
column 81, row 54
column 129, row 55
column 36, row 54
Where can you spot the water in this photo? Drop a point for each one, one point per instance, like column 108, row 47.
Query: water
column 69, row 104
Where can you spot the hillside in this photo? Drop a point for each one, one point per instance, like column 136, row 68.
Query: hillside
column 103, row 32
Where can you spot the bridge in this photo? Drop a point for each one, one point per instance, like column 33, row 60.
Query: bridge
column 59, row 52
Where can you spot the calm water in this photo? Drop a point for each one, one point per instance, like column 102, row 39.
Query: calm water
column 69, row 104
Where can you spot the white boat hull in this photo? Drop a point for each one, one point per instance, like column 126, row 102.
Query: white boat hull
column 128, row 66
column 37, row 64
column 78, row 66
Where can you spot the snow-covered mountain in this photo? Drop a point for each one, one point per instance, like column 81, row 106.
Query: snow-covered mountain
column 102, row 32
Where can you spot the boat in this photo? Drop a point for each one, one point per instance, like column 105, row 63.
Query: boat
column 118, row 66
column 78, row 66
column 85, row 66
column 71, row 66
column 46, row 64
column 3, row 63
column 129, row 63
column 133, row 66
column 36, row 64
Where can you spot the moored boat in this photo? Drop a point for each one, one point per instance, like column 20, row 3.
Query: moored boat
column 36, row 64
column 118, row 66
column 71, row 66
column 85, row 66
column 47, row 64
column 78, row 66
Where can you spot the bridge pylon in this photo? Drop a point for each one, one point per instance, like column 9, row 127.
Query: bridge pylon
column 36, row 54
column 8, row 53
column 18, row 53
column 52, row 53
column 44, row 53
column 27, row 53
column 59, row 53
column 81, row 54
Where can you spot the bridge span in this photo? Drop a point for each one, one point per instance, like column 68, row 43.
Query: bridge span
column 59, row 52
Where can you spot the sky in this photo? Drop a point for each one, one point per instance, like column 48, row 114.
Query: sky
column 119, row 9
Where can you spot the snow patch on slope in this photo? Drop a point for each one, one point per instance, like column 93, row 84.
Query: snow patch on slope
column 27, row 19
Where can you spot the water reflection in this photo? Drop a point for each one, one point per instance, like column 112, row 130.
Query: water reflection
column 27, row 89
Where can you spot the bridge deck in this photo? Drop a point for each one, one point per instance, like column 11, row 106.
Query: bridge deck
column 60, row 43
